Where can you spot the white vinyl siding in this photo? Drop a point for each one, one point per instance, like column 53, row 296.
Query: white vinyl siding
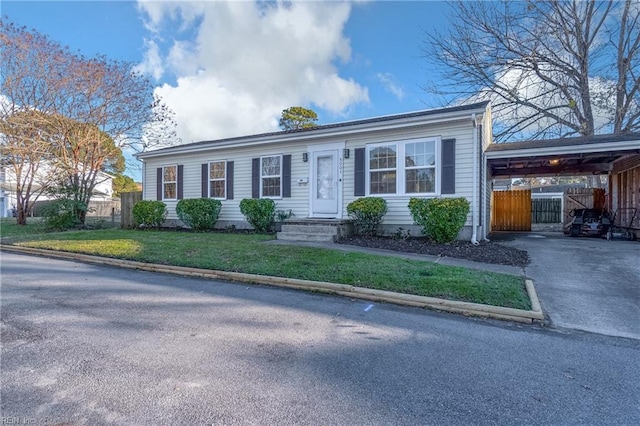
column 397, row 211
column 242, row 155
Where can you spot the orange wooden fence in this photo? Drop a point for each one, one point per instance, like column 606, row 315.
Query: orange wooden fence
column 511, row 210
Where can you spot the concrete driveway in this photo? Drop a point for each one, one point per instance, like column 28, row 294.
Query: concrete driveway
column 583, row 283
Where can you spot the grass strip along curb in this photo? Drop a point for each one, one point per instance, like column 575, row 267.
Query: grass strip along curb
column 465, row 308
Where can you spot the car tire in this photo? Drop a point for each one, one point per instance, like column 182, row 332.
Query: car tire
column 574, row 231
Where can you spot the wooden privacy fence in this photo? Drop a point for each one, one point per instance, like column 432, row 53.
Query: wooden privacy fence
column 127, row 201
column 546, row 210
column 511, row 211
column 104, row 208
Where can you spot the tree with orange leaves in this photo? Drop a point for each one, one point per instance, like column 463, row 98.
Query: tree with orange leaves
column 50, row 94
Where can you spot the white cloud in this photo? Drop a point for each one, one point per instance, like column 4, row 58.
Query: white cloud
column 239, row 64
column 389, row 83
column 152, row 62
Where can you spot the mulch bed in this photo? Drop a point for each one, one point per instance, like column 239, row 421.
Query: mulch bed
column 486, row 252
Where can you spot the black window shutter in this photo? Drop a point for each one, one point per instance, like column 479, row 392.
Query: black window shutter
column 359, row 177
column 255, row 178
column 229, row 180
column 286, row 176
column 448, row 166
column 180, row 176
column 159, row 184
column 204, row 181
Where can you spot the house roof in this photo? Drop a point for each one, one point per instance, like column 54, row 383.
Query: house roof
column 416, row 117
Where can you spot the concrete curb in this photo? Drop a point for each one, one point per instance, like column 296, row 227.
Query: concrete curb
column 465, row 308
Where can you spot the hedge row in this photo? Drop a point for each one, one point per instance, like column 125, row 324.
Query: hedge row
column 440, row 218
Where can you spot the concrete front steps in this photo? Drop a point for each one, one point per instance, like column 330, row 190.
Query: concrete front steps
column 314, row 230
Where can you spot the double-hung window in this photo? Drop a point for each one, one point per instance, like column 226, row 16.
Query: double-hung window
column 170, row 182
column 217, row 179
column 420, row 167
column 403, row 167
column 383, row 169
column 271, row 176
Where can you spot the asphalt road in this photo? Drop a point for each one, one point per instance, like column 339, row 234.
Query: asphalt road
column 85, row 344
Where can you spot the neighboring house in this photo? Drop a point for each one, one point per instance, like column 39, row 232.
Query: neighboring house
column 316, row 173
column 102, row 192
column 501, row 184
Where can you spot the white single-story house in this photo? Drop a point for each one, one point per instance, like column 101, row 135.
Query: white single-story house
column 102, row 192
column 317, row 172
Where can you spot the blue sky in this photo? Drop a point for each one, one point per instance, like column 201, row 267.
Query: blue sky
column 229, row 68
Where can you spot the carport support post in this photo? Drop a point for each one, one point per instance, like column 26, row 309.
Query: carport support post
column 474, row 184
column 487, row 200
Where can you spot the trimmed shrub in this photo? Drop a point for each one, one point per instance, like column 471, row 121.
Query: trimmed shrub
column 440, row 218
column 150, row 213
column 259, row 212
column 367, row 214
column 61, row 214
column 199, row 214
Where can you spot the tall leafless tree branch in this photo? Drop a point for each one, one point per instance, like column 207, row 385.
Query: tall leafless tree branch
column 551, row 68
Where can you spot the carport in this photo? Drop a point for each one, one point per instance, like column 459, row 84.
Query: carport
column 617, row 156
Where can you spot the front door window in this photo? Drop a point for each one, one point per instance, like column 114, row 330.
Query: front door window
column 325, row 181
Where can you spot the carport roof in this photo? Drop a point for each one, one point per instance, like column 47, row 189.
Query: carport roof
column 555, row 157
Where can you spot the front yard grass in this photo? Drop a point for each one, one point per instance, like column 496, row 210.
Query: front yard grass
column 250, row 253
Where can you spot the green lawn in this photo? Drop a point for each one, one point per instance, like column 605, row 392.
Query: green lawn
column 8, row 227
column 250, row 253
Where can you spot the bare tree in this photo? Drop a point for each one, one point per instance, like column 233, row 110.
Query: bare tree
column 40, row 75
column 24, row 149
column 550, row 68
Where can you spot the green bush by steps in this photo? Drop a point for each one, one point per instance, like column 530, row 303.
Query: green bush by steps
column 259, row 212
column 367, row 214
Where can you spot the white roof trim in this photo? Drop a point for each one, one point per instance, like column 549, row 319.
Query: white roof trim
column 344, row 130
column 566, row 149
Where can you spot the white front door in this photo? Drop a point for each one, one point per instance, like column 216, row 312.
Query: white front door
column 326, row 182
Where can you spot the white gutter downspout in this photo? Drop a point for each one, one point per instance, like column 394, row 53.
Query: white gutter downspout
column 144, row 177
column 474, row 184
